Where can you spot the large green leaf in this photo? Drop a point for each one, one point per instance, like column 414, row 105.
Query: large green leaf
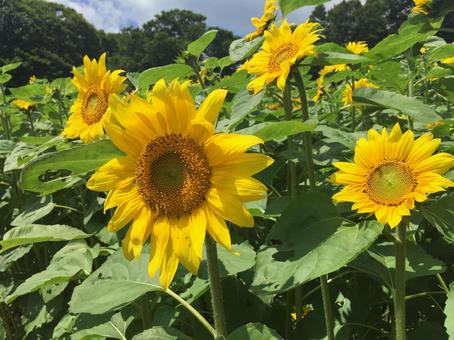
column 36, row 233
column 441, row 214
column 10, row 67
column 72, row 259
column 332, row 58
column 117, row 283
column 34, row 211
column 198, row 46
column 161, row 333
column 407, row 105
column 243, row 103
column 115, row 328
column 288, row 6
column 379, row 261
column 241, row 49
column 347, row 139
column 167, row 72
column 5, row 77
column 254, row 331
column 441, row 52
column 314, row 240
column 449, row 312
column 8, row 258
column 58, row 170
column 412, row 31
column 278, row 130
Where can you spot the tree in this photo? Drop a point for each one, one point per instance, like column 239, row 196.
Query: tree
column 48, row 38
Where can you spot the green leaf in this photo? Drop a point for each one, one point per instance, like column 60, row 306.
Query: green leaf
column 333, row 135
column 314, row 240
column 167, row 72
column 407, row 105
column 445, row 51
column 8, row 258
column 37, row 233
column 288, row 6
column 243, row 103
column 5, row 77
column 72, row 259
column 6, row 146
column 412, row 31
column 379, row 261
column 254, row 331
column 10, row 67
column 278, row 130
column 241, row 48
column 198, row 46
column 58, row 170
column 331, row 58
column 441, row 215
column 117, row 283
column 449, row 312
column 34, row 211
column 115, row 328
column 428, row 330
column 161, row 333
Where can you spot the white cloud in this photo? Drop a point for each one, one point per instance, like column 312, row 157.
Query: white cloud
column 113, row 15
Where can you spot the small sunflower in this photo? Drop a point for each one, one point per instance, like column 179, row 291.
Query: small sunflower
column 178, row 179
column 327, row 69
column 320, row 88
column 22, row 104
column 280, row 51
column 347, row 95
column 357, row 47
column 421, row 6
column 390, row 172
column 95, row 86
column 262, row 23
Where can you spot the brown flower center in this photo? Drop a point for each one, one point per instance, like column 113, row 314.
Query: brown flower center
column 94, row 105
column 284, row 52
column 389, row 182
column 173, row 175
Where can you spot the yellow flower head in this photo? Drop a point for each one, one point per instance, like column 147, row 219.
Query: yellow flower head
column 95, row 86
column 320, row 86
column 347, row 95
column 435, row 124
column 333, row 68
column 449, row 60
column 280, row 51
column 421, row 6
column 262, row 23
column 22, row 104
column 390, row 172
column 32, row 79
column 357, row 47
column 178, row 179
column 423, row 50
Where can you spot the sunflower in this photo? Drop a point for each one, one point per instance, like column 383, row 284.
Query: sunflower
column 390, row 172
column 262, row 23
column 321, row 79
column 421, row 6
column 449, row 60
column 95, row 86
column 178, row 180
column 280, row 51
column 347, row 95
column 22, row 104
column 357, row 47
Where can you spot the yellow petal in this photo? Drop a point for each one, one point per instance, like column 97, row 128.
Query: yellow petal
column 211, row 106
column 217, row 228
column 160, row 233
column 137, row 233
column 229, row 207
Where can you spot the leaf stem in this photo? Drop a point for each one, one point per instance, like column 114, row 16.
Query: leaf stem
column 215, row 288
column 192, row 310
column 422, row 294
column 442, row 283
column 399, row 288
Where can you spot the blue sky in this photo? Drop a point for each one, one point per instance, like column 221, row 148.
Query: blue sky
column 112, row 15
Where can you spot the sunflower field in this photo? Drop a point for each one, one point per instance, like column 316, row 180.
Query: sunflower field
column 293, row 189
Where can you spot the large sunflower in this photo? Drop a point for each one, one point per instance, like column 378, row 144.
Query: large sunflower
column 95, row 86
column 421, row 6
column 178, row 180
column 390, row 172
column 262, row 23
column 280, row 51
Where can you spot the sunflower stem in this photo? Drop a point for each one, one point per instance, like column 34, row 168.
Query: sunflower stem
column 442, row 283
column 399, row 288
column 215, row 288
column 193, row 311
column 410, row 92
column 307, row 138
column 353, row 109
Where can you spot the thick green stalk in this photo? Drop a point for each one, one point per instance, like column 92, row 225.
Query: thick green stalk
column 215, row 288
column 329, row 319
column 30, row 118
column 410, row 92
column 399, row 285
column 352, row 108
column 307, row 136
